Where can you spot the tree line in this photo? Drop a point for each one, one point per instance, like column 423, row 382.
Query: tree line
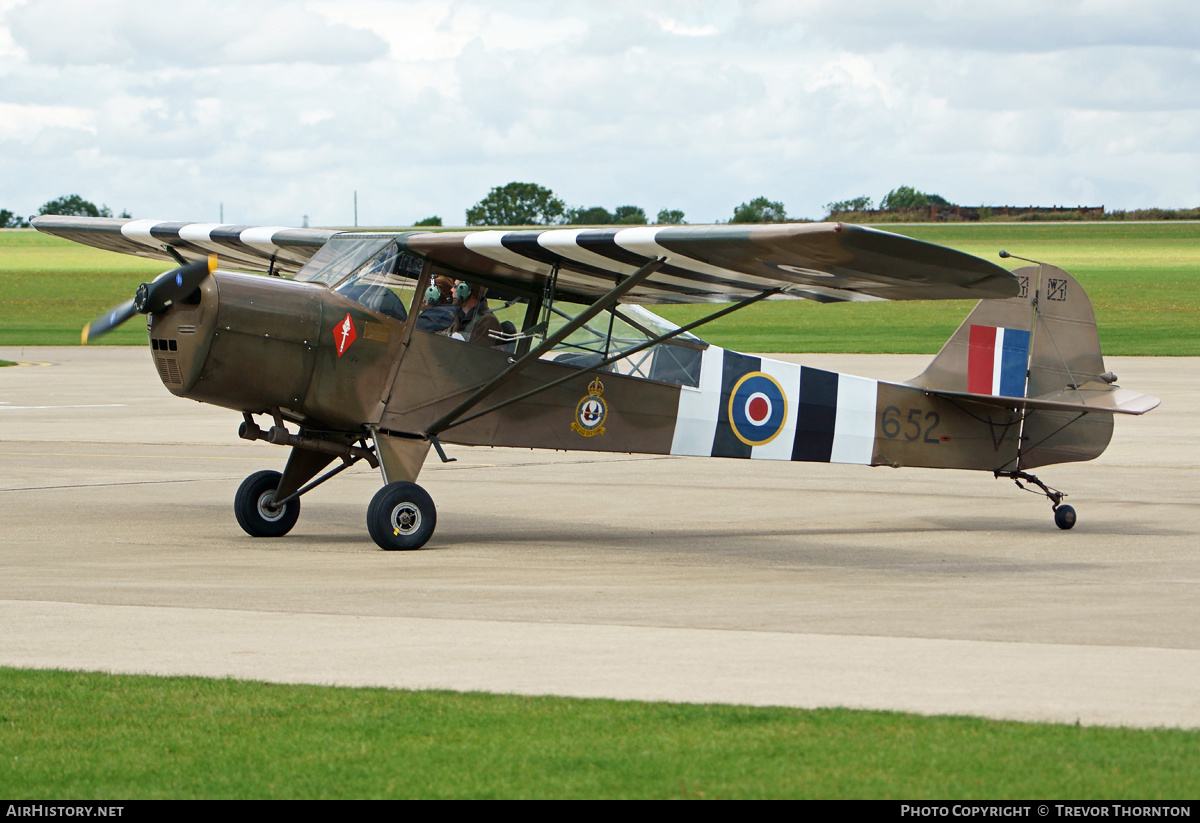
column 900, row 198
column 514, row 204
column 528, row 204
column 71, row 205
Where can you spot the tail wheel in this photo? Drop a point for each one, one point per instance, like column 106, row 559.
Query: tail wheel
column 1064, row 517
column 401, row 517
column 253, row 505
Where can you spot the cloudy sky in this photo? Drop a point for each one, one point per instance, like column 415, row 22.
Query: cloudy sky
column 285, row 109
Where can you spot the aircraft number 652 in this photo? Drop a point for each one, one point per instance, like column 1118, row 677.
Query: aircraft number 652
column 911, row 427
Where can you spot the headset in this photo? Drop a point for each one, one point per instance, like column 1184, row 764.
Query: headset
column 433, row 295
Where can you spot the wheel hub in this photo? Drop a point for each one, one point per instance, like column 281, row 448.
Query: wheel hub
column 266, row 510
column 406, row 519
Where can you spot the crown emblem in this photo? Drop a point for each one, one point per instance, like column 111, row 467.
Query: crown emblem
column 595, row 388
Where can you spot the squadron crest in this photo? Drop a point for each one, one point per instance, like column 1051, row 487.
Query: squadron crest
column 591, row 411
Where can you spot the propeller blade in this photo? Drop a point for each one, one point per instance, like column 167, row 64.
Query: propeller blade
column 169, row 287
column 107, row 321
column 172, row 286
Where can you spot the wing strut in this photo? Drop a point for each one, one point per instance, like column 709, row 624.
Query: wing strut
column 607, row 301
column 619, row 356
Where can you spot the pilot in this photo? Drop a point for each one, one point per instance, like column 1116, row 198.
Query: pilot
column 476, row 321
column 438, row 312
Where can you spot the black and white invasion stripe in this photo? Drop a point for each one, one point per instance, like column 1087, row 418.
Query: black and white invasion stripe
column 830, row 417
column 248, row 247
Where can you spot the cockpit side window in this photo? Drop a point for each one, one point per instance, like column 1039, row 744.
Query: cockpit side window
column 623, row 329
column 384, row 282
column 467, row 311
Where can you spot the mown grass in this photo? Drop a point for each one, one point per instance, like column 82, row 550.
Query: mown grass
column 49, row 288
column 84, row 736
column 1143, row 278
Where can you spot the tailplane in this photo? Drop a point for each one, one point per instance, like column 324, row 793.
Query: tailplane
column 1038, row 352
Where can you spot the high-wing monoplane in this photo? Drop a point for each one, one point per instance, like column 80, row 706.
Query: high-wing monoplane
column 356, row 346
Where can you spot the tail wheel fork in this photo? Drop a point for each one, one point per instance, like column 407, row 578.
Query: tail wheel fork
column 1064, row 515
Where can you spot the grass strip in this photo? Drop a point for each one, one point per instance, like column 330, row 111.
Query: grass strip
column 50, row 287
column 1143, row 279
column 94, row 736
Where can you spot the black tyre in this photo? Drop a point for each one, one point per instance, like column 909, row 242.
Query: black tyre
column 255, row 514
column 401, row 517
column 1064, row 517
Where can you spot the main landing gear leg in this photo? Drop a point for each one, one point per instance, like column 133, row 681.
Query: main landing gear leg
column 1064, row 515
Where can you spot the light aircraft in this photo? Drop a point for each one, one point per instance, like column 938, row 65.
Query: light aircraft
column 333, row 337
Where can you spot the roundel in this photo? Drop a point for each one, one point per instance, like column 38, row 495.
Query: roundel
column 757, row 409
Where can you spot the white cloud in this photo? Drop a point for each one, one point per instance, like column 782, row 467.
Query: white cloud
column 280, row 110
column 144, row 33
column 439, row 30
column 22, row 123
column 1006, row 26
column 675, row 27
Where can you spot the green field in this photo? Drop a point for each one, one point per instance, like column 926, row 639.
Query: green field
column 1143, row 278
column 94, row 736
column 49, row 288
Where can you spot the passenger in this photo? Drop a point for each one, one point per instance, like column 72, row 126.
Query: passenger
column 438, row 312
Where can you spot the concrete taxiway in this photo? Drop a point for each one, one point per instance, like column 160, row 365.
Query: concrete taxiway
column 610, row 576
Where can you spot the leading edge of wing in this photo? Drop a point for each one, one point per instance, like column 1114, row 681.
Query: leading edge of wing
column 829, row 262
column 248, row 247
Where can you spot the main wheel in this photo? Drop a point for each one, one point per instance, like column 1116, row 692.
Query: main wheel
column 254, row 510
column 401, row 517
column 1064, row 517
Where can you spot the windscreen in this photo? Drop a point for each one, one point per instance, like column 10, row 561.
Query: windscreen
column 341, row 256
column 385, row 282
